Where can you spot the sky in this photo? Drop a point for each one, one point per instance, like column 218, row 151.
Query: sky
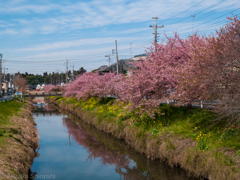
column 40, row 35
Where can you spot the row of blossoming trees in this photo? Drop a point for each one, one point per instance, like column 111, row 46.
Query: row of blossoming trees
column 195, row 68
column 52, row 88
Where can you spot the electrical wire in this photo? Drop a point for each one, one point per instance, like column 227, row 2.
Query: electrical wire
column 139, row 46
column 72, row 59
column 198, row 12
column 215, row 18
column 183, row 11
column 214, row 24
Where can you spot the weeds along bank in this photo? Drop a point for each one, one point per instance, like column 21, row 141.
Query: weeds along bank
column 18, row 139
column 182, row 138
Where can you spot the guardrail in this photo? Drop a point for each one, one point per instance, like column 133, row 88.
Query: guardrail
column 42, row 94
column 6, row 98
column 207, row 104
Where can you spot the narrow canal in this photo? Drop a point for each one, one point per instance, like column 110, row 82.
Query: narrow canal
column 72, row 150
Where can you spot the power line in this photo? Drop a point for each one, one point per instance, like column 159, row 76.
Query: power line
column 72, row 59
column 198, row 12
column 172, row 8
column 224, row 6
column 136, row 47
column 212, row 20
column 183, row 11
column 171, row 17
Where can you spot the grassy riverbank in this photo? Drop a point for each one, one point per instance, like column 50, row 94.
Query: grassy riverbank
column 18, row 139
column 191, row 140
column 113, row 151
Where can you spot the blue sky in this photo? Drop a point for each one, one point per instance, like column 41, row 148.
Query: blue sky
column 39, row 35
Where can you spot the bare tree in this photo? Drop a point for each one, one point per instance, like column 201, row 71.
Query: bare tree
column 20, row 83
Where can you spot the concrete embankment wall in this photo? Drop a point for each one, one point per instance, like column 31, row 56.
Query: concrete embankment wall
column 18, row 148
column 167, row 147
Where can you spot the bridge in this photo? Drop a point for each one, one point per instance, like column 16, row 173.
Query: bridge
column 42, row 94
column 47, row 113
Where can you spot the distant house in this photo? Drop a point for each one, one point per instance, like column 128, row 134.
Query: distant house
column 102, row 68
column 124, row 65
column 30, row 87
column 5, row 86
column 140, row 56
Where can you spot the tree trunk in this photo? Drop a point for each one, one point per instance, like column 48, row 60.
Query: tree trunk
column 189, row 106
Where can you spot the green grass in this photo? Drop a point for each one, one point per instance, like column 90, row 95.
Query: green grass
column 213, row 138
column 196, row 124
column 8, row 109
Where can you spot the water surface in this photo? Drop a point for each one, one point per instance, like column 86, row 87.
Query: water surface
column 72, row 150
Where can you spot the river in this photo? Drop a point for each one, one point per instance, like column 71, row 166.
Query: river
column 72, row 150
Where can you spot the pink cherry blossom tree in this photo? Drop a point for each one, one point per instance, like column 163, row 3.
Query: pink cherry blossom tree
column 92, row 84
column 195, row 76
column 195, row 68
column 154, row 78
column 52, row 88
column 227, row 66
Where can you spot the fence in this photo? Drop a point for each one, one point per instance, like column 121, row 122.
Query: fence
column 6, row 98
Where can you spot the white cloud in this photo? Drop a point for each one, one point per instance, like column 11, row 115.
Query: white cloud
column 135, row 30
column 9, row 32
column 68, row 44
column 83, row 15
column 55, row 22
column 27, row 31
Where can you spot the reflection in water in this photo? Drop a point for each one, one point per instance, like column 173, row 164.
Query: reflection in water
column 96, row 149
column 129, row 164
column 47, row 110
column 71, row 150
column 38, row 101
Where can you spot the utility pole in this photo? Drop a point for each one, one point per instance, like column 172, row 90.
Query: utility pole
column 155, row 27
column 130, row 49
column 193, row 17
column 5, row 73
column 66, row 71
column 116, row 55
column 0, row 73
column 73, row 72
column 108, row 58
column 10, row 83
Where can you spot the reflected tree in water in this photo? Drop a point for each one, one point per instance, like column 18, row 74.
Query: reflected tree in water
column 96, row 149
column 116, row 152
